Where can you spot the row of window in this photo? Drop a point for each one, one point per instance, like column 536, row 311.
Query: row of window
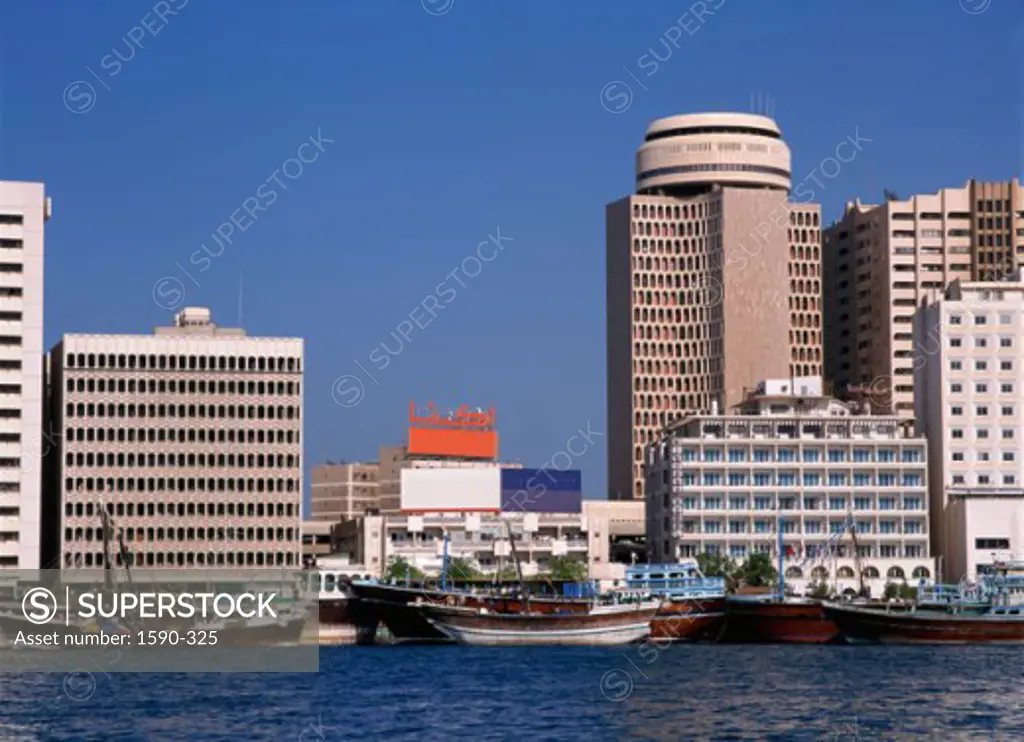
column 980, row 365
column 190, row 362
column 884, row 551
column 980, row 319
column 982, row 434
column 807, row 455
column 181, row 435
column 182, row 509
column 763, row 502
column 183, row 559
column 983, row 480
column 241, row 412
column 1006, row 456
column 792, row 479
column 181, row 386
column 230, row 533
column 982, row 410
column 684, row 211
column 982, row 342
column 810, row 528
column 142, row 460
column 181, row 484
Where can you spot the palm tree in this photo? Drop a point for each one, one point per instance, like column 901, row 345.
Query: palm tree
column 463, row 570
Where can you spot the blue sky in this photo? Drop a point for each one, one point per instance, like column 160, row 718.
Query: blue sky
column 449, row 119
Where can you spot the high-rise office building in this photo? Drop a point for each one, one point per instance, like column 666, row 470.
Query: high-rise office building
column 190, row 439
column 713, row 280
column 881, row 261
column 969, row 361
column 24, row 209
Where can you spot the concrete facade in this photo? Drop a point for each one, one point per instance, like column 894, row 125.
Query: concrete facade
column 969, row 359
column 190, row 438
column 882, row 261
column 342, row 491
column 713, row 280
column 24, row 210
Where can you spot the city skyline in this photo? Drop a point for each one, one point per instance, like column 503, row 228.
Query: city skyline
column 140, row 157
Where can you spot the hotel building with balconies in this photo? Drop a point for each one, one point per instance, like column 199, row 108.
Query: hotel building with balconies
column 791, row 458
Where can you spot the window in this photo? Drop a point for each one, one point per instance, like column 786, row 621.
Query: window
column 991, row 543
column 983, row 479
column 1006, row 365
column 955, row 319
column 1007, row 410
column 980, row 366
column 956, row 388
column 981, row 388
column 1006, row 388
column 1007, row 434
column 955, row 343
column 982, row 433
column 955, row 365
column 956, row 433
column 980, row 319
column 958, row 456
column 956, row 410
column 981, row 410
column 980, row 343
column 1009, row 479
column 958, row 479
column 1005, row 342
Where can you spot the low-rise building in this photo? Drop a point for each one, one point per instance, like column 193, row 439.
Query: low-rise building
column 342, row 491
column 790, row 458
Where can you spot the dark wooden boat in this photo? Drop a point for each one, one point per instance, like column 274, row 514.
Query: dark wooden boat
column 689, row 619
column 398, row 608
column 994, row 625
column 601, row 625
column 769, row 620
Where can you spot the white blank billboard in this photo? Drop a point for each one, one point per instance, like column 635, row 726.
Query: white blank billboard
column 438, row 490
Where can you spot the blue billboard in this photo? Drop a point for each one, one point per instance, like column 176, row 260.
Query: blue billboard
column 541, row 491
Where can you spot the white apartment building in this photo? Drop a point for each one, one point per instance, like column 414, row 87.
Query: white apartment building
column 791, row 458
column 190, row 438
column 970, row 385
column 24, row 209
column 881, row 261
column 482, row 539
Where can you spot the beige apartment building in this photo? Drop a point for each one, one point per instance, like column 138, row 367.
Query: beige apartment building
column 190, row 439
column 713, row 280
column 343, row 491
column 881, row 261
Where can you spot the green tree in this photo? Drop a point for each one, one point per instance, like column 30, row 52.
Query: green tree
column 568, row 569
column 907, row 592
column 400, row 570
column 758, row 571
column 821, row 590
column 463, row 570
column 892, row 590
column 718, row 565
column 506, row 574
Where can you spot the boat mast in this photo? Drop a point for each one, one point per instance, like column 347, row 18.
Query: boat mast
column 108, row 581
column 444, row 564
column 515, row 556
column 856, row 555
column 782, row 577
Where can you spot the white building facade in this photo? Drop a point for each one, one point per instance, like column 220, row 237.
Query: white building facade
column 24, row 210
column 190, row 438
column 793, row 459
column 970, row 383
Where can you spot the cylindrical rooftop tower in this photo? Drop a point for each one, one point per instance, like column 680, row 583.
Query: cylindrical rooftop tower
column 692, row 153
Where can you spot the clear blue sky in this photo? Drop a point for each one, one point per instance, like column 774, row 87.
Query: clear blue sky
column 445, row 127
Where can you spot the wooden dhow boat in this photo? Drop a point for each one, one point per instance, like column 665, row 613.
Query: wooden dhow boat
column 693, row 606
column 602, row 625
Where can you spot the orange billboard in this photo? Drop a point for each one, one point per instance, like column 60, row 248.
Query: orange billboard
column 462, row 433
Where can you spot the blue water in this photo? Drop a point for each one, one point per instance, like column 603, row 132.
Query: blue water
column 642, row 692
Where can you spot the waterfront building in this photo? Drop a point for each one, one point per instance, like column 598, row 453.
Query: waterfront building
column 24, row 210
column 969, row 356
column 190, row 438
column 794, row 459
column 881, row 261
column 343, row 491
column 482, row 538
column 713, row 279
